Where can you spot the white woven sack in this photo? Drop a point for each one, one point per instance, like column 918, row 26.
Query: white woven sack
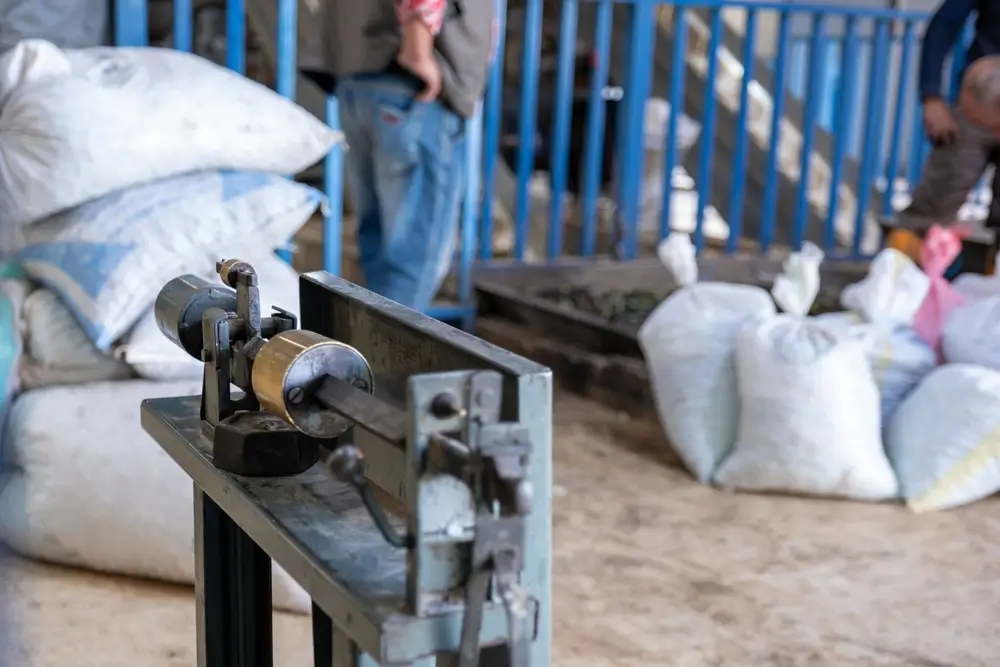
column 809, row 407
column 56, row 348
column 108, row 259
column 974, row 286
column 93, row 490
column 688, row 342
column 152, row 356
column 944, row 440
column 881, row 310
column 971, row 333
column 79, row 124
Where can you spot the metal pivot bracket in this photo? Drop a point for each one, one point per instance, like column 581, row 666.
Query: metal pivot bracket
column 491, row 458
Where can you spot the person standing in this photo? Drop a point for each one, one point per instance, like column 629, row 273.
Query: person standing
column 407, row 74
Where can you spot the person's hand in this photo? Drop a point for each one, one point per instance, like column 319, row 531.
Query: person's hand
column 939, row 122
column 416, row 55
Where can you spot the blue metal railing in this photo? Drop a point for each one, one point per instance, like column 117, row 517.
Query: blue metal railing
column 852, row 73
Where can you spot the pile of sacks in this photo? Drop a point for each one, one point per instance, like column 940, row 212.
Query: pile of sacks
column 123, row 169
column 896, row 397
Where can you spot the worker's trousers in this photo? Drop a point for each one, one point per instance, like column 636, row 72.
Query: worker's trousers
column 951, row 173
column 405, row 167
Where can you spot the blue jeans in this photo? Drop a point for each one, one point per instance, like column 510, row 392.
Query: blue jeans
column 405, row 167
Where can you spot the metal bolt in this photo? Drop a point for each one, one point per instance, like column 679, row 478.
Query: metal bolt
column 486, row 399
column 445, row 405
column 295, row 395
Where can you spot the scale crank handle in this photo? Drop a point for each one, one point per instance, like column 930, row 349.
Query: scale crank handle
column 345, row 462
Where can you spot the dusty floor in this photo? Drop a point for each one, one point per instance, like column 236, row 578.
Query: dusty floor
column 650, row 569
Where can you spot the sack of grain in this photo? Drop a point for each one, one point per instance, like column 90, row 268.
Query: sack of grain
column 92, row 489
column 78, row 124
column 809, row 406
column 57, row 350
column 108, row 259
column 944, row 440
column 881, row 309
column 688, row 342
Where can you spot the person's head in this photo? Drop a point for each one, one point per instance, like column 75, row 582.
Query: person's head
column 980, row 96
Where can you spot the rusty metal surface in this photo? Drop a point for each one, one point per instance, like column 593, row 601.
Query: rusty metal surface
column 509, row 290
column 319, row 532
column 406, row 346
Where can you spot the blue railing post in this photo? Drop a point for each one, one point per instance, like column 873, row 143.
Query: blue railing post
column 493, row 119
column 590, row 176
column 642, row 28
column 333, row 185
column 844, row 120
column 560, row 123
column 735, row 218
column 708, row 128
column 678, row 70
column 528, row 123
column 777, row 114
column 873, row 129
column 810, row 118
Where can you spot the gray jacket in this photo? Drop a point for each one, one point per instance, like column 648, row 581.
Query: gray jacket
column 363, row 37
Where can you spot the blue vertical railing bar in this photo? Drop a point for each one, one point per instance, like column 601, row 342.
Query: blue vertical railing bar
column 918, row 141
column 875, row 110
column 810, row 118
column 770, row 205
column 333, row 186
column 493, row 117
column 590, row 176
column 131, row 23
column 895, row 148
column 632, row 121
column 678, row 70
column 707, row 154
column 285, row 77
column 843, row 121
column 735, row 217
column 530, row 64
column 236, row 35
column 470, row 204
column 183, row 25
column 561, row 124
column 288, row 39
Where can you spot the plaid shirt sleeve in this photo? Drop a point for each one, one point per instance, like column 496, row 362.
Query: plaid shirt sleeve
column 430, row 12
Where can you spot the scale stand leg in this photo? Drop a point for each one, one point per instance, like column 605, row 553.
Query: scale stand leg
column 233, row 592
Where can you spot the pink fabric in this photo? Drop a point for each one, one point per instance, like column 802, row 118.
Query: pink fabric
column 940, row 249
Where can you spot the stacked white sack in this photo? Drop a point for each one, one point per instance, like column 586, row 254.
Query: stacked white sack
column 882, row 307
column 93, row 490
column 109, row 258
column 809, row 407
column 79, row 124
column 57, row 350
column 944, row 440
column 688, row 342
column 971, row 333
